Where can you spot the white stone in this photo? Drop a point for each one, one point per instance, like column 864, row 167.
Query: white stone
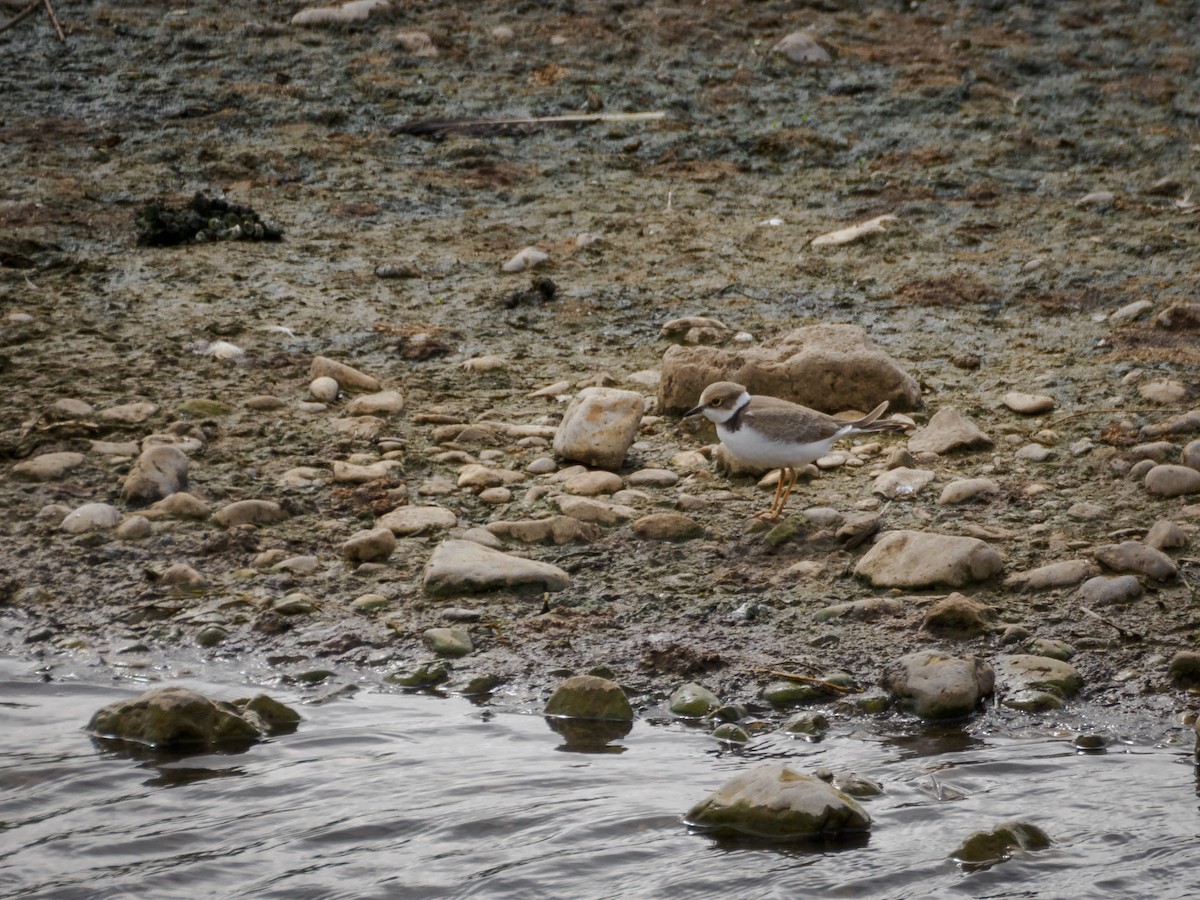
column 324, row 389
column 915, row 559
column 91, row 517
column 528, row 258
column 407, row 520
column 465, row 566
column 965, row 489
column 160, row 470
column 902, row 483
column 385, row 403
column 600, row 426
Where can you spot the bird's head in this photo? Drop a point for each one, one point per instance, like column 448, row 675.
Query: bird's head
column 720, row 401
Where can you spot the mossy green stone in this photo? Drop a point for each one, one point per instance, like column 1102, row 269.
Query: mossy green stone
column 203, row 409
column 730, row 733
column 425, row 674
column 693, row 701
column 589, row 697
column 449, row 641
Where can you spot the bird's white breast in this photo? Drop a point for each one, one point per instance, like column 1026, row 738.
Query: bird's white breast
column 754, row 449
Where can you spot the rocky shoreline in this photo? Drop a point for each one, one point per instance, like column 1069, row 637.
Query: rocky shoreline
column 364, row 454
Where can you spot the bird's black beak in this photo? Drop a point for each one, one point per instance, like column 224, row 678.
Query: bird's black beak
column 693, row 411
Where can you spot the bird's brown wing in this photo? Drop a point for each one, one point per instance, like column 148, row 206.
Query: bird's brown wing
column 796, row 423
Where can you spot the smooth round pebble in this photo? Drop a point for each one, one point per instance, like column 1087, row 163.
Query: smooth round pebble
column 134, row 528
column 323, row 389
column 653, row 478
column 1170, row 480
column 495, row 496
column 1028, row 404
column 543, row 465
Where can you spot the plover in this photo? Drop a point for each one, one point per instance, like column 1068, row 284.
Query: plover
column 777, row 434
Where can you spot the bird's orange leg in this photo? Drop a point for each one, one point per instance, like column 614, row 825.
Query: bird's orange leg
column 788, row 490
column 772, row 513
column 787, row 480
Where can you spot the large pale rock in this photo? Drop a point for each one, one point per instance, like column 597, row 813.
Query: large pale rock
column 599, row 426
column 589, row 697
column 47, row 467
column 902, row 483
column 1172, row 481
column 801, row 48
column 667, row 526
column 344, row 14
column 966, row 489
column 826, row 367
column 957, row 616
column 347, row 377
column 464, row 566
column 588, row 509
column 160, row 471
column 1028, row 404
column 553, row 530
column 91, row 517
column 774, row 802
column 1136, row 557
column 916, row 559
column 948, row 430
column 1107, row 590
column 250, row 512
column 408, row 520
column 383, row 403
column 129, row 413
column 175, row 717
column 938, row 686
column 352, row 473
column 370, row 545
column 1063, row 573
column 179, row 505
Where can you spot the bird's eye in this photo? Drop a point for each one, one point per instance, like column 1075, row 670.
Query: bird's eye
column 716, row 401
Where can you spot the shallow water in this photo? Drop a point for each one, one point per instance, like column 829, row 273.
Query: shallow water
column 393, row 795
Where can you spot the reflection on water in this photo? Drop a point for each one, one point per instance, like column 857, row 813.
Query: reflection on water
column 388, row 795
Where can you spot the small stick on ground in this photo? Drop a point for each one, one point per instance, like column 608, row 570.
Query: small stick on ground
column 1123, row 632
column 22, row 15
column 808, row 679
column 30, row 10
column 62, row 38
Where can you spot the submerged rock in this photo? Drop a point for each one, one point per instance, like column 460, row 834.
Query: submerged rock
column 692, row 700
column 175, row 717
column 986, row 848
column 589, row 697
column 1036, row 683
column 774, row 802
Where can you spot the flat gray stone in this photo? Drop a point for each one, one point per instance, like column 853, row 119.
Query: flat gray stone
column 465, row 567
column 948, row 430
column 915, row 559
column 939, row 686
column 776, row 803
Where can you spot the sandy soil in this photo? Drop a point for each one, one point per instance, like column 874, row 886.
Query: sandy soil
column 981, row 126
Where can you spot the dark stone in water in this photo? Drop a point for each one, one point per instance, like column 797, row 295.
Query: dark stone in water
column 203, row 219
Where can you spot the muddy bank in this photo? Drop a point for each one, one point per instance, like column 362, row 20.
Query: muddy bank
column 1038, row 164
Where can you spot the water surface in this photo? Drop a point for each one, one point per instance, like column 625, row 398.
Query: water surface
column 394, row 795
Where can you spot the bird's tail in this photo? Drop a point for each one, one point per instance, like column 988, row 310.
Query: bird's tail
column 871, row 421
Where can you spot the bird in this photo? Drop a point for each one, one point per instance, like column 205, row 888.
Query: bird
column 772, row 433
